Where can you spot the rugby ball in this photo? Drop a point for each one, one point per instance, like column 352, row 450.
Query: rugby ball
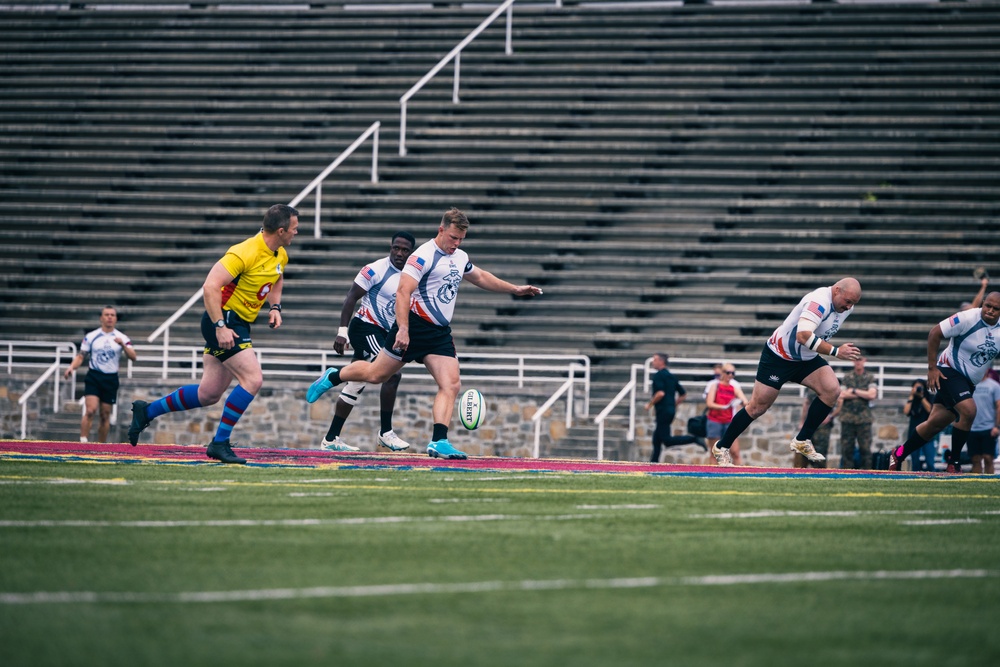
column 471, row 409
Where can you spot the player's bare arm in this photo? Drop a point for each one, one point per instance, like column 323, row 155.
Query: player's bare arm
column 483, row 279
column 218, row 278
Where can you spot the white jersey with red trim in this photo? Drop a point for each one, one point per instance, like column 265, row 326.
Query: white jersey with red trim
column 973, row 344
column 438, row 276
column 817, row 306
column 105, row 353
column 379, row 280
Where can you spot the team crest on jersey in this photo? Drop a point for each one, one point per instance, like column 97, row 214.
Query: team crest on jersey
column 449, row 290
column 985, row 354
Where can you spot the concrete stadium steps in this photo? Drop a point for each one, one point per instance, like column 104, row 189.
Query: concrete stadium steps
column 645, row 166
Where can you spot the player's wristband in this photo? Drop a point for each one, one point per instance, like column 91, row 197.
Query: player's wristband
column 276, row 306
column 342, row 333
column 834, row 351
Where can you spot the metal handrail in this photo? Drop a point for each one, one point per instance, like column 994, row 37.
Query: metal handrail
column 454, row 54
column 892, row 378
column 317, row 183
column 627, row 390
column 568, row 386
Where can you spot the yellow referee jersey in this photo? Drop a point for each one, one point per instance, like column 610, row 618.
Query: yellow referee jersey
column 256, row 268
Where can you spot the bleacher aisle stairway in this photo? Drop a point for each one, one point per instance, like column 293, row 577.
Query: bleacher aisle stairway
column 674, row 178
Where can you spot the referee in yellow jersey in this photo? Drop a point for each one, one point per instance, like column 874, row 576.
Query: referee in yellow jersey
column 248, row 276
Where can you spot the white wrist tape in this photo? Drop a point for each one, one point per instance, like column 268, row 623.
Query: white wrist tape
column 342, row 332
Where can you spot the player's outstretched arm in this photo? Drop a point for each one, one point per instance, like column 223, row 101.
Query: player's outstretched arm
column 485, row 280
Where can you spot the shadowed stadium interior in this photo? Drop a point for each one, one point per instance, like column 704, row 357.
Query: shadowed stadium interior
column 672, row 177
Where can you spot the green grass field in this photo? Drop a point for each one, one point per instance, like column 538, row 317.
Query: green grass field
column 211, row 565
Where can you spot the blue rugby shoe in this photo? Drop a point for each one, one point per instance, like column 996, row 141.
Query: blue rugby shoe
column 320, row 386
column 442, row 449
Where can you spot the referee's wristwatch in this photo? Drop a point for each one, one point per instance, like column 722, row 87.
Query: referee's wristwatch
column 220, row 324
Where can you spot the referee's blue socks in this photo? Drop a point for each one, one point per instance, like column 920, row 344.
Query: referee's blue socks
column 185, row 398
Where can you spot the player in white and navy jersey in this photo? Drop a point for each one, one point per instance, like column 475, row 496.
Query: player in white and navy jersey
column 954, row 374
column 792, row 354
column 375, row 287
column 425, row 303
column 104, row 346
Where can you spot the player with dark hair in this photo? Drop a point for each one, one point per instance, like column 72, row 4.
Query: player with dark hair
column 248, row 275
column 375, row 286
column 954, row 376
column 425, row 304
column 792, row 355
column 104, row 346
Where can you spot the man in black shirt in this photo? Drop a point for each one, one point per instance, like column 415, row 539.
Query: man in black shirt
column 667, row 394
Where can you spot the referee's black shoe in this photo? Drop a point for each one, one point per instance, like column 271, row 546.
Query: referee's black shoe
column 139, row 421
column 221, row 451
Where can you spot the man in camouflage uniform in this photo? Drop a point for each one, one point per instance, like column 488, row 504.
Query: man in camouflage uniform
column 857, row 390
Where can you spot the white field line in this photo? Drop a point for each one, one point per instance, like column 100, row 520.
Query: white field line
column 251, row 523
column 767, row 514
column 277, row 594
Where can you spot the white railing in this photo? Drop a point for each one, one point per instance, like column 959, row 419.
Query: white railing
column 627, row 390
column 519, row 370
column 456, row 55
column 569, row 388
column 893, row 379
column 317, row 183
column 29, row 355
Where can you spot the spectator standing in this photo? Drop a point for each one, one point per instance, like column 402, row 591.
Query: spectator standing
column 104, row 346
column 985, row 427
column 917, row 408
column 858, row 390
column 723, row 397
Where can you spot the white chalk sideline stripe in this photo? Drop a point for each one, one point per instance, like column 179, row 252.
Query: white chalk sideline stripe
column 250, row 523
column 277, row 594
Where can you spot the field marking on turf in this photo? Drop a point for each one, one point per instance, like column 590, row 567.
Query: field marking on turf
column 253, row 523
column 278, row 594
column 767, row 514
column 117, row 481
column 939, row 522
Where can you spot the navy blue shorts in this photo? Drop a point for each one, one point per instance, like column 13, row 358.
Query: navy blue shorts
column 954, row 389
column 241, row 342
column 425, row 338
column 367, row 339
column 775, row 371
column 102, row 385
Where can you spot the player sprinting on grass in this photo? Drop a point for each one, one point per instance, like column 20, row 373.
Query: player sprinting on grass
column 425, row 304
column 250, row 274
column 792, row 355
column 954, row 376
column 375, row 286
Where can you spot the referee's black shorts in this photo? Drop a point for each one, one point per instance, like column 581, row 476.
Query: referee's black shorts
column 240, row 343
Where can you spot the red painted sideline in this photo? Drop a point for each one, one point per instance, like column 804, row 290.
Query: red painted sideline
column 180, row 454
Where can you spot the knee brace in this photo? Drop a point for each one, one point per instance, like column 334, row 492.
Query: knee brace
column 352, row 392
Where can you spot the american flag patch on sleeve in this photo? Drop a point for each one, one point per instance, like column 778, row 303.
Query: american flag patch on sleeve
column 368, row 272
column 416, row 262
column 816, row 309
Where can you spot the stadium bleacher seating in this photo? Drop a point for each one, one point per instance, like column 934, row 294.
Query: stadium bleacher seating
column 673, row 177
